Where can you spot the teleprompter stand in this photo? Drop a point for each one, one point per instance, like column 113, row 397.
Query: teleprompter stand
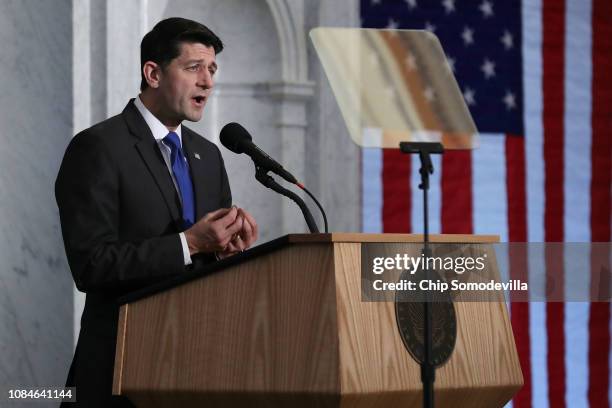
column 428, row 370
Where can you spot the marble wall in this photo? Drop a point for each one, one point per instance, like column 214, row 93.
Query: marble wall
column 36, row 118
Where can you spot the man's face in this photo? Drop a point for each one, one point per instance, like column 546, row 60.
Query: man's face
column 186, row 83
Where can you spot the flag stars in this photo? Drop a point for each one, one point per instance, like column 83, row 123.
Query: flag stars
column 392, row 24
column 374, row 2
column 374, row 60
column 450, row 63
column 390, row 92
column 468, row 36
column 430, row 27
column 410, row 62
column 449, row 6
column 429, row 94
column 468, row 95
column 509, row 100
column 488, row 68
column 412, row 4
column 507, row 40
column 486, row 8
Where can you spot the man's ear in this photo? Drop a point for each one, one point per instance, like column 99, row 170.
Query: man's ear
column 152, row 73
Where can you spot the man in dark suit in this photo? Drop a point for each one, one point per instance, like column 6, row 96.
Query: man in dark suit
column 143, row 198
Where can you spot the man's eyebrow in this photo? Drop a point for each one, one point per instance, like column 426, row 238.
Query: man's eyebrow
column 199, row 61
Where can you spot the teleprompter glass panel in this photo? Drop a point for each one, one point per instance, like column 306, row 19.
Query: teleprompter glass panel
column 393, row 86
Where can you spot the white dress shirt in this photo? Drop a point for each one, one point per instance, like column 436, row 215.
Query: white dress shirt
column 159, row 133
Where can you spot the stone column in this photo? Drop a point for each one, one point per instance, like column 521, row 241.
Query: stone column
column 334, row 166
column 292, row 100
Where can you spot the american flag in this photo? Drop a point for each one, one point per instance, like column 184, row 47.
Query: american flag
column 537, row 77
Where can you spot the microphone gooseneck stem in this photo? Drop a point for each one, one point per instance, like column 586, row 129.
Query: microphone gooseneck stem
column 264, row 178
column 317, row 203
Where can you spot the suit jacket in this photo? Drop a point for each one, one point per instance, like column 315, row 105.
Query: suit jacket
column 120, row 216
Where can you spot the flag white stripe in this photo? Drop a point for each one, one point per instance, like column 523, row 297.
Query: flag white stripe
column 534, row 134
column 576, row 353
column 489, row 196
column 434, row 197
column 534, row 159
column 537, row 343
column 538, row 335
column 503, row 264
column 577, row 121
column 372, row 198
column 577, row 195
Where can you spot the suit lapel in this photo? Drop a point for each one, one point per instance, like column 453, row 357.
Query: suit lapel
column 197, row 168
column 149, row 151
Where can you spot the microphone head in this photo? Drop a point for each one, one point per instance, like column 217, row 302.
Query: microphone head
column 233, row 136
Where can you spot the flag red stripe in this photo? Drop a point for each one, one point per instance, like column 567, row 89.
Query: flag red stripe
column 599, row 318
column 553, row 86
column 396, row 191
column 599, row 351
column 601, row 121
column 555, row 312
column 517, row 232
column 516, row 182
column 457, row 192
column 553, row 50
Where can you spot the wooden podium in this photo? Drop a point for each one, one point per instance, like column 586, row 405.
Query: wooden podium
column 283, row 325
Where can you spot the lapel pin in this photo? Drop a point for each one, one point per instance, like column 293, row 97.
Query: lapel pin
column 197, row 156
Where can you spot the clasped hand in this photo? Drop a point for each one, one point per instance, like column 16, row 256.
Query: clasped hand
column 225, row 231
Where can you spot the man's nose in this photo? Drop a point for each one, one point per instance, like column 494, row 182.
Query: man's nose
column 205, row 80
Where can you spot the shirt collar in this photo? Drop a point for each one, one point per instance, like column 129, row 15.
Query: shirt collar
column 157, row 128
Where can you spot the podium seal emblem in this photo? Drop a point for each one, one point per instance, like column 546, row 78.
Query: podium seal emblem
column 409, row 314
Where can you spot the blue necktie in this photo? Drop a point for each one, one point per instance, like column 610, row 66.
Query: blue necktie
column 183, row 179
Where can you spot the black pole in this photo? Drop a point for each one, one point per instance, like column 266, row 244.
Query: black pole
column 428, row 370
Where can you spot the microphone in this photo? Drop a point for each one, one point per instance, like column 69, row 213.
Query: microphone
column 237, row 139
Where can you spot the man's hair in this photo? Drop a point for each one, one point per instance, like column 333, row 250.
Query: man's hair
column 163, row 43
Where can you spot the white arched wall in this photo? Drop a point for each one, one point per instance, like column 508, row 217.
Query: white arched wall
column 289, row 19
